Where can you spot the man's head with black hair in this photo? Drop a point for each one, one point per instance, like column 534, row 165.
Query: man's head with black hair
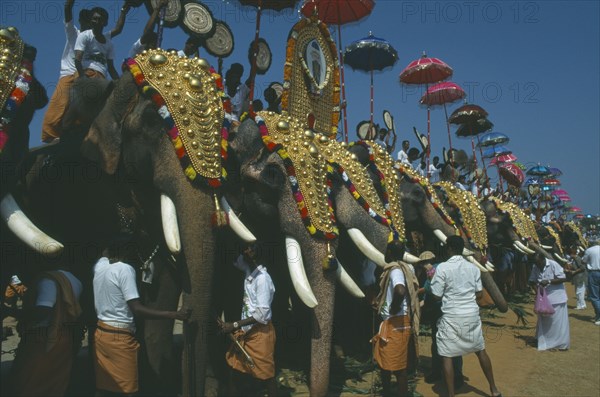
column 405, row 145
column 149, row 40
column 85, row 19
column 394, row 252
column 455, row 245
column 191, row 46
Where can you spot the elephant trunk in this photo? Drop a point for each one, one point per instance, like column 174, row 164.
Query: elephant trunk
column 490, row 285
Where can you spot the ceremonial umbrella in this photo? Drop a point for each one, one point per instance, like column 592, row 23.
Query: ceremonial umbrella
column 555, row 172
column 511, row 174
column 441, row 94
column 579, row 216
column 426, row 70
column 560, row 192
column 538, row 170
column 369, row 54
column 339, row 12
column 276, row 5
column 575, row 209
column 504, row 158
column 468, row 114
column 552, row 182
column 493, row 138
column 494, row 151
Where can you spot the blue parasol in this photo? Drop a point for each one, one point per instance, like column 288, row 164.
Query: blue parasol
column 369, row 54
column 538, row 170
column 493, row 138
column 496, row 150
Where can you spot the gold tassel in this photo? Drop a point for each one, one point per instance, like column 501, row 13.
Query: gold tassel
column 219, row 217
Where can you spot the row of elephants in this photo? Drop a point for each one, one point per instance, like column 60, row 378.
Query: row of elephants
column 116, row 167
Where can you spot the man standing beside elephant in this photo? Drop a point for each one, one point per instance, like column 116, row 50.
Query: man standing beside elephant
column 458, row 284
column 256, row 335
column 394, row 346
column 592, row 259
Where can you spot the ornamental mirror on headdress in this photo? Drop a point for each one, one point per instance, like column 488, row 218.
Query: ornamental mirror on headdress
column 311, row 77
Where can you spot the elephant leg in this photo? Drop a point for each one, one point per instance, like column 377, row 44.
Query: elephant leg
column 160, row 366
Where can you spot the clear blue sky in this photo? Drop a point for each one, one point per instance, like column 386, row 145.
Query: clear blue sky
column 533, row 65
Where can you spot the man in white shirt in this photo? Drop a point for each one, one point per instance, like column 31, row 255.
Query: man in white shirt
column 236, row 90
column 51, row 126
column 591, row 258
column 457, row 283
column 255, row 330
column 403, row 153
column 117, row 303
column 394, row 346
column 149, row 37
column 94, row 51
column 434, row 171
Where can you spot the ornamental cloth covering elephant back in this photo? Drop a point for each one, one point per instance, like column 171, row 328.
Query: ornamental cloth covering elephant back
column 556, row 239
column 522, row 223
column 15, row 78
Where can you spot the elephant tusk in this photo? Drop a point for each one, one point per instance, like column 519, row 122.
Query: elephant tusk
column 519, row 249
column 25, row 230
column 345, row 279
column 523, row 248
column 410, row 258
column 366, row 247
column 297, row 273
column 560, row 258
column 477, row 264
column 490, row 266
column 546, row 247
column 236, row 225
column 467, row 252
column 440, row 235
column 169, row 224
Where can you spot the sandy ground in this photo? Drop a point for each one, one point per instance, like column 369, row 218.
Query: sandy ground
column 519, row 369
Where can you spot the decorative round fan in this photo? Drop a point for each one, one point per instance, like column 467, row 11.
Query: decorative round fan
column 173, row 12
column 263, row 56
column 221, row 43
column 197, row 20
column 366, row 131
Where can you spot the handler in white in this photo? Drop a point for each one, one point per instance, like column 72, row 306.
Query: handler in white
column 458, row 284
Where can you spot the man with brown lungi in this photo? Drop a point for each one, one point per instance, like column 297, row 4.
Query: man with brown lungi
column 254, row 332
column 117, row 301
column 457, row 282
column 395, row 346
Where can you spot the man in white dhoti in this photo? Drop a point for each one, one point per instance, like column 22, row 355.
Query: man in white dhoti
column 457, row 283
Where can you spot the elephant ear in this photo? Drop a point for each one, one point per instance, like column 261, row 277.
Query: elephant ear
column 103, row 141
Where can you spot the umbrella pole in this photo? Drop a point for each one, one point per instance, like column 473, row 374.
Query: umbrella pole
column 448, row 125
column 428, row 151
column 161, row 22
column 254, row 54
column 343, row 83
column 371, row 126
column 474, row 161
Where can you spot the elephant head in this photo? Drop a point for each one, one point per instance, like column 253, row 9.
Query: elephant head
column 550, row 241
column 168, row 134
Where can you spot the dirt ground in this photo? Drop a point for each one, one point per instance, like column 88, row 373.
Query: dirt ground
column 519, row 369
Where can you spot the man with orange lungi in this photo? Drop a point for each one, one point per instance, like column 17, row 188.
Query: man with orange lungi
column 395, row 346
column 117, row 301
column 254, row 331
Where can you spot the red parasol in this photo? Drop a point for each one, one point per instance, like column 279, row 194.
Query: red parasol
column 579, row 216
column 560, row 192
column 504, row 158
column 441, row 94
column 575, row 209
column 339, row 12
column 512, row 174
column 276, row 5
column 426, row 71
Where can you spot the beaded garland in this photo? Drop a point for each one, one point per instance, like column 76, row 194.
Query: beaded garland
column 382, row 165
column 556, row 238
column 411, row 176
column 355, row 178
column 522, row 224
column 470, row 216
column 189, row 96
column 306, row 169
column 15, row 79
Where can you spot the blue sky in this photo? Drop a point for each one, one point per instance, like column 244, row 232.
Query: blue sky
column 533, row 65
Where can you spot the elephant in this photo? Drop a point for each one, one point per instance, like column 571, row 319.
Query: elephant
column 270, row 203
column 425, row 214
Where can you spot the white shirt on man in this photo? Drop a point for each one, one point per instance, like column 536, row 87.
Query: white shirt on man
column 136, row 48
column 95, row 54
column 258, row 293
column 67, row 61
column 556, row 292
column 403, row 157
column 592, row 257
column 434, row 173
column 456, row 281
column 396, row 278
column 114, row 286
